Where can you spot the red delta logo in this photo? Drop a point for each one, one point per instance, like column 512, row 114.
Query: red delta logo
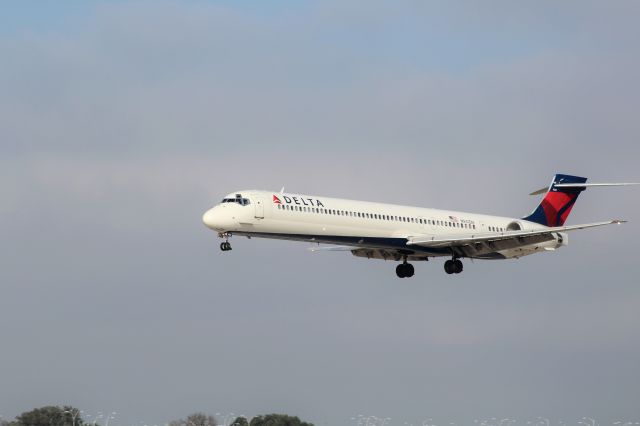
column 276, row 200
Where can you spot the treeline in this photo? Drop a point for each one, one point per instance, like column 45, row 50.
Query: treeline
column 69, row 416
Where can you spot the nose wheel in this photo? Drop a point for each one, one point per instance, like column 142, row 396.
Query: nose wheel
column 453, row 266
column 404, row 270
column 226, row 245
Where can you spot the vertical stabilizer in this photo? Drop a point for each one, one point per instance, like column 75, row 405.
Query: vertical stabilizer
column 558, row 201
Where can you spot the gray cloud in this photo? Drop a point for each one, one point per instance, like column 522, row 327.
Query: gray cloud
column 118, row 131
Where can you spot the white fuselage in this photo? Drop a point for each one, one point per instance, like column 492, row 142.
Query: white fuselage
column 359, row 223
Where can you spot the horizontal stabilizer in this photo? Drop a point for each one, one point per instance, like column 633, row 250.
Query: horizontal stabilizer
column 581, row 185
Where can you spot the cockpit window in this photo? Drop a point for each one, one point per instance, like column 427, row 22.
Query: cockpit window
column 238, row 199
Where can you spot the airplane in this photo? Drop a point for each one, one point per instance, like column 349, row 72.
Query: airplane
column 402, row 233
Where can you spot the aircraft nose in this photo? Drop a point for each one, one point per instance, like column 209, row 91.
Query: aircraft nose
column 211, row 219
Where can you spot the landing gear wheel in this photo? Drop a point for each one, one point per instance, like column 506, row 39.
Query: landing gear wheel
column 225, row 246
column 405, row 270
column 457, row 266
column 400, row 270
column 449, row 267
column 409, row 270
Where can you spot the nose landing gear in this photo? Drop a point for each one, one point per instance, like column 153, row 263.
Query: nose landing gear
column 453, row 266
column 226, row 245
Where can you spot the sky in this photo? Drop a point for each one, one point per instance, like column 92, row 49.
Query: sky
column 121, row 122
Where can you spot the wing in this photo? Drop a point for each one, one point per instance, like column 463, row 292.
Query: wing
column 330, row 248
column 421, row 247
column 376, row 252
column 514, row 238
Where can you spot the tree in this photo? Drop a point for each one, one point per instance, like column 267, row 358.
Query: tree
column 196, row 419
column 50, row 416
column 277, row 420
column 240, row 421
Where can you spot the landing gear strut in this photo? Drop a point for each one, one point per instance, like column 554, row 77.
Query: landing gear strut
column 404, row 270
column 226, row 245
column 453, row 266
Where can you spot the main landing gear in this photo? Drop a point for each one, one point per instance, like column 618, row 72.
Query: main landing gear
column 404, row 270
column 453, row 266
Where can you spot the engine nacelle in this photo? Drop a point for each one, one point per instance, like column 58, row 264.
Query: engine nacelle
column 522, row 225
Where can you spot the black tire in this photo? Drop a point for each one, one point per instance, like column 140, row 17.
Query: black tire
column 228, row 245
column 449, row 267
column 400, row 271
column 409, row 270
column 223, row 246
column 458, row 267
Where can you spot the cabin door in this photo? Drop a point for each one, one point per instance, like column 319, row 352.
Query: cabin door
column 259, row 207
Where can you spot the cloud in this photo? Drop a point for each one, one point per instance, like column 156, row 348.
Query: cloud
column 120, row 128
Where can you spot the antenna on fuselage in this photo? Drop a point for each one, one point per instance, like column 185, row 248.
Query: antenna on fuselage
column 282, row 190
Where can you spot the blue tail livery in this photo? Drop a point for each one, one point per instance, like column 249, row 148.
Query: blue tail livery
column 558, row 201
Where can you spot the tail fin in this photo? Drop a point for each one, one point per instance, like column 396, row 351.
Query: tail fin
column 558, row 201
